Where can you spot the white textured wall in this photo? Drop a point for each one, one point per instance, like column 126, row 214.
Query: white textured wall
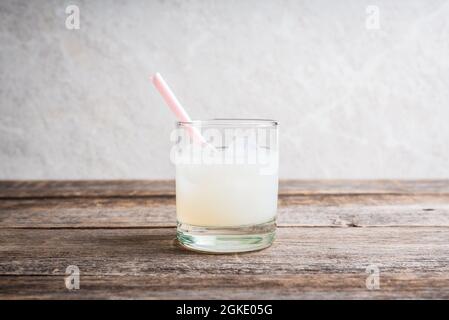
column 353, row 102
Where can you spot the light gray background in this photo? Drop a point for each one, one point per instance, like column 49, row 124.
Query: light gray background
column 352, row 102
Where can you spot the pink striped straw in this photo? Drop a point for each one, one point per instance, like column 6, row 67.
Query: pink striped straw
column 175, row 106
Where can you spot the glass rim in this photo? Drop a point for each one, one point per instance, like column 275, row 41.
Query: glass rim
column 230, row 122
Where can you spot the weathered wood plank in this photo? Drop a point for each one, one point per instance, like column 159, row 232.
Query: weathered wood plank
column 304, row 210
column 364, row 210
column 88, row 212
column 120, row 234
column 87, row 188
column 145, row 188
column 305, row 251
column 300, row 286
column 364, row 187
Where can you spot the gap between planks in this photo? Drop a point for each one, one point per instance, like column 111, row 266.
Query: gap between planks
column 148, row 188
column 173, row 227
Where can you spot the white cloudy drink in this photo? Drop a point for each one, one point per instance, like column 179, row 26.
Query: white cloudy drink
column 226, row 184
column 226, row 195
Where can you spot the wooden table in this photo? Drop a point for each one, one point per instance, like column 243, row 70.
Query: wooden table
column 121, row 235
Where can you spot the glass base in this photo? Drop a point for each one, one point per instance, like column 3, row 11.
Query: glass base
column 226, row 239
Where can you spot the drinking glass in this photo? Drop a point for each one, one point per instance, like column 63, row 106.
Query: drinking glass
column 226, row 184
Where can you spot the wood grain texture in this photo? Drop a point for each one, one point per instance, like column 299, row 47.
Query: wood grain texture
column 147, row 188
column 300, row 286
column 92, row 188
column 121, row 235
column 300, row 210
column 155, row 251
